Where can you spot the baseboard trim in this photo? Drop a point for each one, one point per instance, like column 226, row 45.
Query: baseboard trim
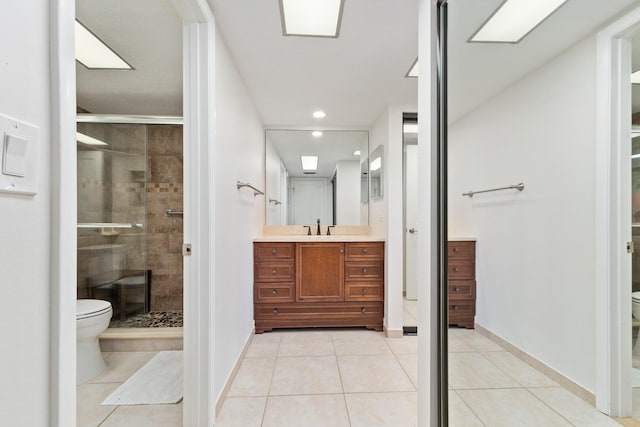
column 232, row 376
column 556, row 376
column 393, row 333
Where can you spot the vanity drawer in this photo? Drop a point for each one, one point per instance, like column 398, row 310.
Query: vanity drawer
column 274, row 292
column 364, row 271
column 365, row 251
column 461, row 250
column 323, row 314
column 364, row 292
column 461, row 308
column 274, row 272
column 275, row 251
column 461, row 269
column 462, row 289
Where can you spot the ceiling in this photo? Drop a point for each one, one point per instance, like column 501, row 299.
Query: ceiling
column 352, row 77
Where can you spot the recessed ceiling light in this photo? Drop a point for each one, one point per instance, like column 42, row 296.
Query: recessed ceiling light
column 309, row 163
column 515, row 19
column 413, row 71
column 88, row 140
column 410, row 128
column 356, row 153
column 635, row 78
column 93, row 53
column 319, row 114
column 316, row 134
column 314, row 18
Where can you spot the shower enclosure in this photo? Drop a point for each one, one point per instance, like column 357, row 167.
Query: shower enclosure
column 129, row 217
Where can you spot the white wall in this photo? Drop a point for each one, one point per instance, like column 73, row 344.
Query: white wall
column 535, row 249
column 25, row 226
column 348, row 192
column 386, row 213
column 239, row 155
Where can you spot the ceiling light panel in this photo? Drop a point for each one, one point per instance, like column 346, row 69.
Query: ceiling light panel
column 413, row 72
column 313, row 18
column 309, row 163
column 316, row 134
column 93, row 53
column 410, row 128
column 88, row 140
column 635, row 78
column 319, row 114
column 515, row 19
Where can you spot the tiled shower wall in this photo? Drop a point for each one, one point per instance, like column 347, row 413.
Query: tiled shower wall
column 164, row 234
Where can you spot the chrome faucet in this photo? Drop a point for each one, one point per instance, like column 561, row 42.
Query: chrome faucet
column 318, row 232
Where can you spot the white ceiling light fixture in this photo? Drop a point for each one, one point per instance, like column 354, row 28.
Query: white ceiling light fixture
column 316, row 134
column 635, row 78
column 376, row 164
column 94, row 54
column 88, row 140
column 311, row 18
column 413, row 71
column 309, row 164
column 514, row 20
column 357, row 153
column 319, row 114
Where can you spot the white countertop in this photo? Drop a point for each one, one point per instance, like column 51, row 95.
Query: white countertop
column 461, row 239
column 322, row 238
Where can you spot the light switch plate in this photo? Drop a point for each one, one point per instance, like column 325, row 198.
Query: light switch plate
column 13, row 155
column 19, row 167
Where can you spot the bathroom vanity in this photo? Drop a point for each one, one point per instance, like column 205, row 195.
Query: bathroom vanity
column 461, row 282
column 318, row 282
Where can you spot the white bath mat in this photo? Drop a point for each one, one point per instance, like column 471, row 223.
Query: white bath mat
column 635, row 378
column 157, row 382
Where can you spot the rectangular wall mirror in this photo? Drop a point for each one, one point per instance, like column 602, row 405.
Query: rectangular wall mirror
column 313, row 175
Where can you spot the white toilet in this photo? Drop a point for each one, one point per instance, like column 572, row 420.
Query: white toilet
column 92, row 318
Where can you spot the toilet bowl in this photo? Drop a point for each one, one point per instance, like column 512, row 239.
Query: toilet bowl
column 92, row 318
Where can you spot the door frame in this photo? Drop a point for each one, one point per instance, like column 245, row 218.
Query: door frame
column 199, row 106
column 613, row 216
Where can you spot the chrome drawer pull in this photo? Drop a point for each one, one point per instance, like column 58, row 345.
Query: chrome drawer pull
column 275, row 251
column 363, row 310
column 364, row 251
column 456, row 269
column 273, row 271
column 457, row 289
column 455, row 307
column 341, row 251
column 456, row 249
column 275, row 311
column 274, row 292
column 364, row 270
column 364, row 291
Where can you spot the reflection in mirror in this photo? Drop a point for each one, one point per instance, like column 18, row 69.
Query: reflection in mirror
column 329, row 188
column 376, row 168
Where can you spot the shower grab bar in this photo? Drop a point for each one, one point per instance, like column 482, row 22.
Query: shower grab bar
column 246, row 184
column 108, row 225
column 518, row 187
column 169, row 212
column 275, row 202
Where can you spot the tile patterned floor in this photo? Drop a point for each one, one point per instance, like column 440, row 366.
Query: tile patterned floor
column 359, row 379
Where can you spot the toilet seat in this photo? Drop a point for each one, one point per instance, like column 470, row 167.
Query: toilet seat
column 87, row 308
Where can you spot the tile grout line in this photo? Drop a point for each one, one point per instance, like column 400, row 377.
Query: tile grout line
column 273, row 372
column 470, row 408
column 549, row 406
column 107, row 417
column 344, row 396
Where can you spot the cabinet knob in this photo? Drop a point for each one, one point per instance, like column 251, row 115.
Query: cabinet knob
column 274, row 292
column 456, row 250
column 274, row 271
column 457, row 289
column 275, row 311
column 456, row 269
column 364, row 291
column 341, row 251
column 455, row 307
column 364, row 270
column 364, row 251
column 363, row 310
column 274, row 251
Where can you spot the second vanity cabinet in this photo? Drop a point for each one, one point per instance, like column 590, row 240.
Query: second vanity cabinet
column 462, row 282
column 304, row 284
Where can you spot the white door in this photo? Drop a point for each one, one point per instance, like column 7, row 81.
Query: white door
column 411, row 214
column 308, row 201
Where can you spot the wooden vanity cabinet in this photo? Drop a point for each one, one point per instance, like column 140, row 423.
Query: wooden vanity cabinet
column 330, row 284
column 462, row 283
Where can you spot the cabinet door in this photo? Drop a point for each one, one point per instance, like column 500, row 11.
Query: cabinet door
column 320, row 272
